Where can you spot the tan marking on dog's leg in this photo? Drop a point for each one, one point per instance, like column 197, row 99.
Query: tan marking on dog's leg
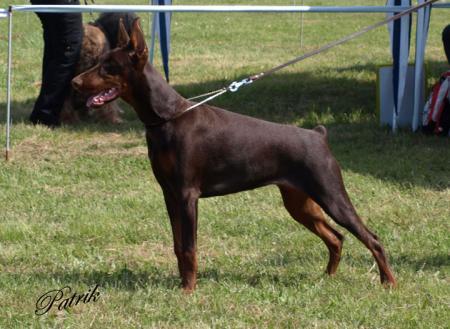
column 308, row 213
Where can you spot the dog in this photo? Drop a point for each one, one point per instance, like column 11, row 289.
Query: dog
column 98, row 38
column 210, row 152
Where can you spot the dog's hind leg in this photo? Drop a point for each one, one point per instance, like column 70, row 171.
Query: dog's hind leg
column 308, row 213
column 342, row 211
column 327, row 189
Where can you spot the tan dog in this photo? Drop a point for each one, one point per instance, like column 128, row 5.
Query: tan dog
column 99, row 37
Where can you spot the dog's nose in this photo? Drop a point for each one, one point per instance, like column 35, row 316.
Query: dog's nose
column 77, row 82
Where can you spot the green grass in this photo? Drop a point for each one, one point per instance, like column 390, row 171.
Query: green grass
column 80, row 205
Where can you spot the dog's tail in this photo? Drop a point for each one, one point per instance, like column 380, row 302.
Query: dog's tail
column 321, row 130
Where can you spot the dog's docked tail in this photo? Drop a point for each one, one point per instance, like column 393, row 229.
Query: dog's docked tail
column 321, row 130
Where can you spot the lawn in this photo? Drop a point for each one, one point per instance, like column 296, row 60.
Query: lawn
column 80, row 206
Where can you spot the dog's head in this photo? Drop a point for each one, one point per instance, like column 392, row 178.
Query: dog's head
column 110, row 78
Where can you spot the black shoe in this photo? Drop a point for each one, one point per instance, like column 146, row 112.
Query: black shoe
column 45, row 117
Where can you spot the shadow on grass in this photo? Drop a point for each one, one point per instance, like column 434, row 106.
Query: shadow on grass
column 126, row 279
column 123, row 278
column 256, row 278
column 286, row 98
column 342, row 102
column 429, row 263
column 253, row 274
column 412, row 263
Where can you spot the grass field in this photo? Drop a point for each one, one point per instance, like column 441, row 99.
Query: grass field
column 80, row 205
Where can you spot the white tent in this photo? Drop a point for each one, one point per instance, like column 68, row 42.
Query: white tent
column 422, row 27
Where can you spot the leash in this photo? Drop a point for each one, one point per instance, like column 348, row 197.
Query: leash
column 235, row 85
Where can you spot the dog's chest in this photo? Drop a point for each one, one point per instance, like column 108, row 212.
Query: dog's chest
column 162, row 157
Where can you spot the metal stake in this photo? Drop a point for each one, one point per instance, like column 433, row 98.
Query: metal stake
column 8, row 85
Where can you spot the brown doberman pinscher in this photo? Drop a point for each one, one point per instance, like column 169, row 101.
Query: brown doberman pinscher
column 209, row 152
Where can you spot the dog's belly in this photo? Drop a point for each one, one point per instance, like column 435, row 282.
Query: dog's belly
column 216, row 184
column 235, row 169
column 224, row 188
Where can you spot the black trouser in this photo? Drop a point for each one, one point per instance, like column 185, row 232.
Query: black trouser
column 446, row 41
column 63, row 35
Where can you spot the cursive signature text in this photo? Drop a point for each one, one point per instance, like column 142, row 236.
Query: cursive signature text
column 64, row 298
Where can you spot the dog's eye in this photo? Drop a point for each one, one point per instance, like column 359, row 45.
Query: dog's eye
column 110, row 69
column 102, row 71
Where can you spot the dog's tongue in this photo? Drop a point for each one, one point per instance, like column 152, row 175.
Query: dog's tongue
column 102, row 98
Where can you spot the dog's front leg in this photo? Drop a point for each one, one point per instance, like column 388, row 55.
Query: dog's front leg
column 183, row 218
column 175, row 221
column 189, row 241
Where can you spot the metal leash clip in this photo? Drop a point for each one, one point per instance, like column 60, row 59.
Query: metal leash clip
column 234, row 86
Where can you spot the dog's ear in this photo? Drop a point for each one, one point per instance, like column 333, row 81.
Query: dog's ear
column 138, row 45
column 122, row 36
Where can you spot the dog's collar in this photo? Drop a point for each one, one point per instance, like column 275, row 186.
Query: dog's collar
column 153, row 125
column 176, row 116
column 191, row 107
column 163, row 121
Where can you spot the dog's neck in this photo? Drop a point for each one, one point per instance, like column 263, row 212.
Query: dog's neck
column 153, row 99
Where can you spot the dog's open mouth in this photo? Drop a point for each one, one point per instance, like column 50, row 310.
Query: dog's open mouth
column 103, row 97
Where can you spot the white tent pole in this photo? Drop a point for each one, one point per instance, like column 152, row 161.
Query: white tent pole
column 301, row 28
column 209, row 8
column 152, row 36
column 418, row 70
column 8, row 85
column 394, row 121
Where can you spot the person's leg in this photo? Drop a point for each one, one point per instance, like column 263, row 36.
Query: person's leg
column 446, row 41
column 41, row 113
column 63, row 35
